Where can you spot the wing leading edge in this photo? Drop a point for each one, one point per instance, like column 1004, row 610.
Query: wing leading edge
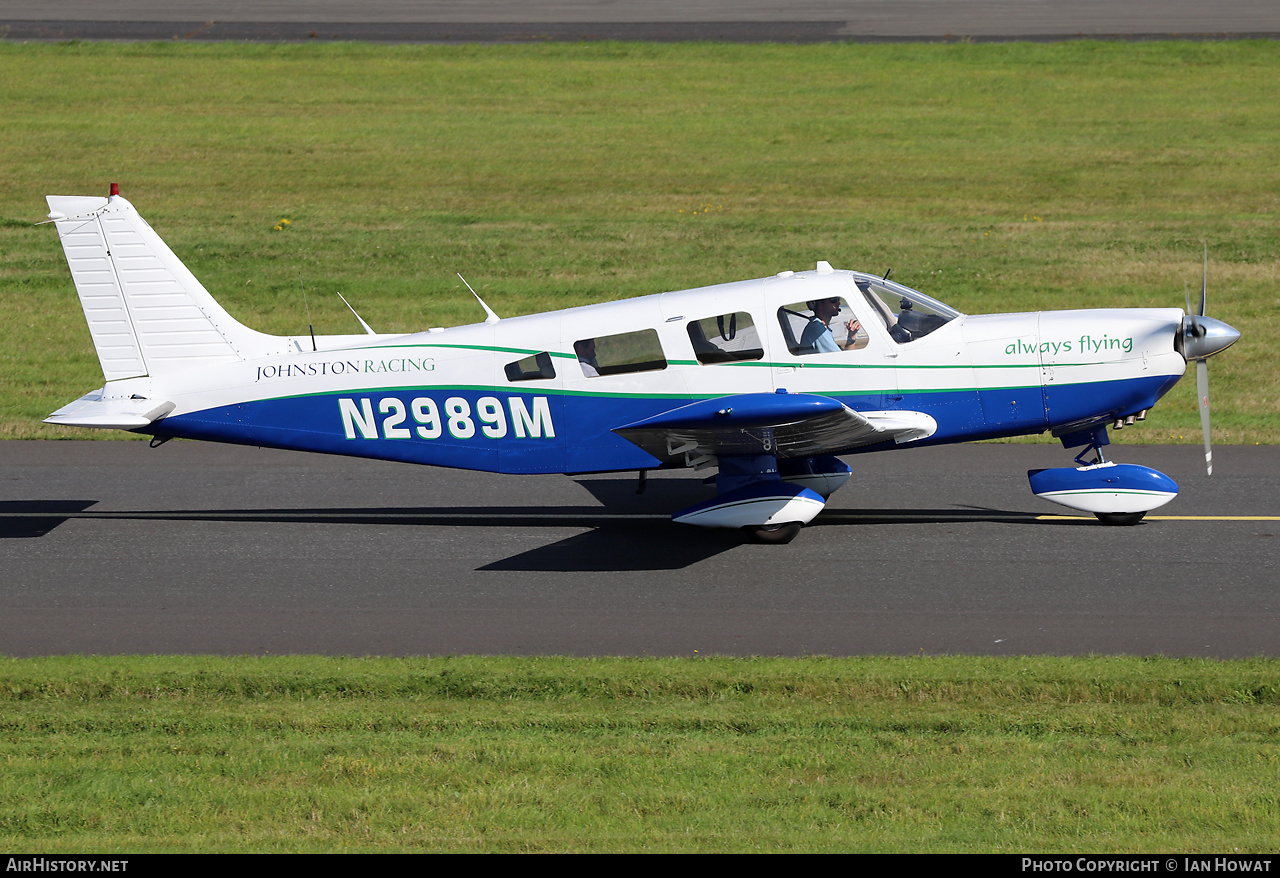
column 786, row 425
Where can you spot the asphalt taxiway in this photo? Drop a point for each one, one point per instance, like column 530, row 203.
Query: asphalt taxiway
column 113, row 547
column 717, row 20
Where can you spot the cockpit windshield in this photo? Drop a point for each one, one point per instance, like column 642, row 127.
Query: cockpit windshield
column 907, row 313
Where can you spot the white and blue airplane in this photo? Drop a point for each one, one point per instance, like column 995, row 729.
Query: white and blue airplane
column 767, row 381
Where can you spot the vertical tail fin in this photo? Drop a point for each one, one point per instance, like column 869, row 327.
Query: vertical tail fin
column 147, row 314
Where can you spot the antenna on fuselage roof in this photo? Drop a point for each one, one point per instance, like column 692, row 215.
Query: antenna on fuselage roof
column 310, row 327
column 367, row 328
column 491, row 318
column 886, row 274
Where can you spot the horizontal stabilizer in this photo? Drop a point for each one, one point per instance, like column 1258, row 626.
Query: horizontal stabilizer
column 782, row 424
column 92, row 410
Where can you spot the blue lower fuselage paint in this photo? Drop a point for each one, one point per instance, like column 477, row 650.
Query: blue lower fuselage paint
column 530, row 432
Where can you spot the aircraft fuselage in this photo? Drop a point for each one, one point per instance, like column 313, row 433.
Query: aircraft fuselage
column 444, row 397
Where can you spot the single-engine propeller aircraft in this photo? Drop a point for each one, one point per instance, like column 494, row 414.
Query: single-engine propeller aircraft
column 766, row 380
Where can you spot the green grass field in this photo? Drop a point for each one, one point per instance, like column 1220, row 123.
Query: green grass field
column 997, row 177
column 922, row 754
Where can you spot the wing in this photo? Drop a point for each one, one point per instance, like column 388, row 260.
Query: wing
column 782, row 424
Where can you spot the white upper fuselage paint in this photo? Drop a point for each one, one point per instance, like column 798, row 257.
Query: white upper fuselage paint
column 968, row 353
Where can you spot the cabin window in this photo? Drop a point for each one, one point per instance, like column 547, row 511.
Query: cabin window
column 534, row 368
column 725, row 339
column 906, row 314
column 821, row 326
column 617, row 354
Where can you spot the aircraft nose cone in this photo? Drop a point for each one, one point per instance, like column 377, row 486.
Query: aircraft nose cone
column 1205, row 336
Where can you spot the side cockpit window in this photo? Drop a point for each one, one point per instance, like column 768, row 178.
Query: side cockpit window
column 725, row 339
column 618, row 354
column 534, row 368
column 821, row 326
column 906, row 314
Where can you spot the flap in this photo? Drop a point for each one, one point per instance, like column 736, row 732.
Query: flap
column 782, row 424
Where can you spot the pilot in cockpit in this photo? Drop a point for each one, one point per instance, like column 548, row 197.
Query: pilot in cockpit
column 586, row 353
column 817, row 334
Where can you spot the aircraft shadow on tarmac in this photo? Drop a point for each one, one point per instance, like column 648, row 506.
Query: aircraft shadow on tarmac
column 612, row 541
column 35, row 518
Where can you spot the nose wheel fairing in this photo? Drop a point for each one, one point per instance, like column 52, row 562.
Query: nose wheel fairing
column 1107, row 488
column 1117, row 493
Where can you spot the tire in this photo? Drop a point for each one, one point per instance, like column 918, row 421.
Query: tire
column 773, row 534
column 1120, row 519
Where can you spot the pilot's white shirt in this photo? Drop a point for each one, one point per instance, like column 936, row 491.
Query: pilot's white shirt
column 818, row 338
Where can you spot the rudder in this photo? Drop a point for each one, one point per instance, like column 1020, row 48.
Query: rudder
column 147, row 313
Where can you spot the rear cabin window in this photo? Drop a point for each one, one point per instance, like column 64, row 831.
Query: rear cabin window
column 821, row 326
column 534, row 368
column 638, row 351
column 725, row 339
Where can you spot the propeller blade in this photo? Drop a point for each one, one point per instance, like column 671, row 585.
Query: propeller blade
column 1202, row 387
column 1203, row 337
column 1190, row 328
column 1204, row 282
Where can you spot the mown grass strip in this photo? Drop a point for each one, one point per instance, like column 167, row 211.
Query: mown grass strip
column 710, row 754
column 998, row 177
